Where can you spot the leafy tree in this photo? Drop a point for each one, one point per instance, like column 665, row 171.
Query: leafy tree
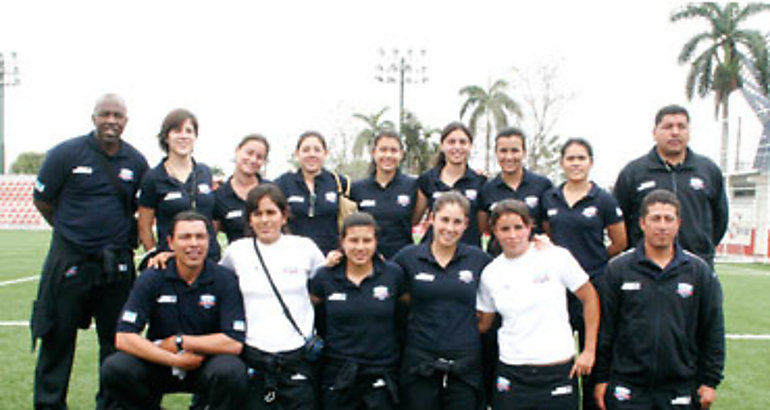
column 374, row 124
column 419, row 150
column 493, row 104
column 721, row 67
column 27, row 163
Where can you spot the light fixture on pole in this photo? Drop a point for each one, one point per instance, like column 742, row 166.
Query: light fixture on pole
column 9, row 75
column 402, row 66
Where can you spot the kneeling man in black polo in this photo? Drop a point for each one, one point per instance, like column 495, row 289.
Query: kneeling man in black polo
column 196, row 329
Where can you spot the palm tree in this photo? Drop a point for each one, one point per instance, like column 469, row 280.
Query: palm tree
column 418, row 147
column 721, row 67
column 374, row 124
column 492, row 104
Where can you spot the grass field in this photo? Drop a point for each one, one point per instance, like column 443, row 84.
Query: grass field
column 746, row 289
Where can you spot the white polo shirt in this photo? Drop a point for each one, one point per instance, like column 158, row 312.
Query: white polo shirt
column 291, row 260
column 529, row 293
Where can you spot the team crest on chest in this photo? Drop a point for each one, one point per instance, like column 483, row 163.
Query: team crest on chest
column 207, row 301
column 403, row 200
column 590, row 212
column 685, row 290
column 126, row 174
column 380, row 292
column 697, row 183
column 465, row 276
column 204, row 188
column 331, row 196
column 531, row 201
column 471, row 194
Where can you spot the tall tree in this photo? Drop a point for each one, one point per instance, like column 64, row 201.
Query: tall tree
column 721, row 67
column 28, row 163
column 374, row 124
column 493, row 104
column 418, row 147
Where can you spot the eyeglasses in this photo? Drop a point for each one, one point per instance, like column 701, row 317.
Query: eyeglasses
column 311, row 205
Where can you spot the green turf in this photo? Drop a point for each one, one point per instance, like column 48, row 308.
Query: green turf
column 22, row 252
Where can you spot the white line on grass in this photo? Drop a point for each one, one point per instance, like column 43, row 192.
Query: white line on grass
column 14, row 323
column 20, row 280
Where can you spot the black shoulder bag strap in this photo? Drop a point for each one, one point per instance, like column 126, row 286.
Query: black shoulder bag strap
column 275, row 290
column 193, row 192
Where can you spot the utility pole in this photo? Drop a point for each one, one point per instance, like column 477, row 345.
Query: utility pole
column 8, row 77
column 402, row 66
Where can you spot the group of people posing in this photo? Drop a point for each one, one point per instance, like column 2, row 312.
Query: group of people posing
column 305, row 309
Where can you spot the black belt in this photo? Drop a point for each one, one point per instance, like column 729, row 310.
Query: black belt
column 347, row 371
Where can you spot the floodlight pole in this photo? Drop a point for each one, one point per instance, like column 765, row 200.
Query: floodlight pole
column 402, row 66
column 7, row 78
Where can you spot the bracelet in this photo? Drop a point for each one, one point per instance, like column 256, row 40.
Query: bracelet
column 179, row 341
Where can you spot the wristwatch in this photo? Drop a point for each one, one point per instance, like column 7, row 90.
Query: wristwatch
column 178, row 340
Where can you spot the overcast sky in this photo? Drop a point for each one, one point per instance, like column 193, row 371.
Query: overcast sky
column 280, row 68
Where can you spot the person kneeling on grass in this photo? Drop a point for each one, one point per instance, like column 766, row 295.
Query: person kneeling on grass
column 196, row 329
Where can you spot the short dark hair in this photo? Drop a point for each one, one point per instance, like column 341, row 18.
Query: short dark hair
column 358, row 219
column 173, row 121
column 671, row 109
column 255, row 137
column 256, row 194
column 440, row 160
column 387, row 133
column 659, row 196
column 510, row 206
column 310, row 134
column 512, row 132
column 186, row 216
column 452, row 197
column 578, row 141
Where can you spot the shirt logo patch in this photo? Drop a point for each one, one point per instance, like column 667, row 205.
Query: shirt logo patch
column 71, row 272
column 379, row 383
column 540, row 278
column 126, row 174
column 296, row 199
column 622, row 393
column 237, row 213
column 465, row 276
column 172, row 196
column 380, row 292
column 424, row 277
column 645, row 185
column 697, row 183
column 291, row 270
column 207, row 301
column 204, row 188
column 531, row 201
column 685, row 290
column 331, row 196
column 471, row 194
column 502, row 384
column 590, row 212
column 681, row 401
column 340, row 297
column 129, row 316
column 39, row 186
column 367, row 203
column 561, row 390
column 167, row 299
column 403, row 200
column 82, row 170
column 552, row 212
column 618, row 212
column 239, row 325
column 631, row 286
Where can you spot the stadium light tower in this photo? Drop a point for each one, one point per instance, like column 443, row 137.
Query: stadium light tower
column 402, row 66
column 9, row 75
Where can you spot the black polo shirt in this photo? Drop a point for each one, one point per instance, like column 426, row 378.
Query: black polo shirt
column 580, row 228
column 391, row 206
column 530, row 191
column 167, row 196
column 313, row 216
column 212, row 304
column 229, row 210
column 361, row 319
column 87, row 209
column 469, row 185
column 443, row 311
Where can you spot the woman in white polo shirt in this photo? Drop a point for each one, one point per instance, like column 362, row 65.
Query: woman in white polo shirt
column 526, row 286
column 284, row 377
